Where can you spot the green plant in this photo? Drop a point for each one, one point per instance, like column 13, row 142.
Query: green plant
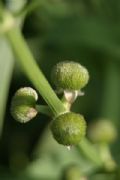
column 73, row 131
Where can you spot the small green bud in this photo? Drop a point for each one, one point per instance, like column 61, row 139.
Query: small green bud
column 102, row 131
column 23, row 104
column 69, row 128
column 72, row 172
column 69, row 75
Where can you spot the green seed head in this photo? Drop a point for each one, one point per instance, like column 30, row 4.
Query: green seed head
column 69, row 128
column 69, row 75
column 23, row 104
column 103, row 131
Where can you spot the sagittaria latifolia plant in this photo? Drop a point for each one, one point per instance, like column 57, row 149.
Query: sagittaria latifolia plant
column 68, row 128
column 69, row 77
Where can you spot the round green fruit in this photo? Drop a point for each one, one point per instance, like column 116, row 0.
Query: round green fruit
column 69, row 128
column 69, row 75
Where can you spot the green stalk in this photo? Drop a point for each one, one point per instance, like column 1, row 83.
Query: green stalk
column 43, row 110
column 108, row 161
column 33, row 72
column 90, row 152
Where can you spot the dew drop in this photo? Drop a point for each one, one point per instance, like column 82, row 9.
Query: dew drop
column 69, row 148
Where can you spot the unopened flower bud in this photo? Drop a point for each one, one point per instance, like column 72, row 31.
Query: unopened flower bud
column 72, row 172
column 102, row 131
column 23, row 104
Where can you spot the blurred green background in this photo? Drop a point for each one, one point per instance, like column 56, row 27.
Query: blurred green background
column 86, row 31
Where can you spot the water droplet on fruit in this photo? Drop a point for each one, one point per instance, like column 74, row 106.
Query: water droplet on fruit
column 69, row 148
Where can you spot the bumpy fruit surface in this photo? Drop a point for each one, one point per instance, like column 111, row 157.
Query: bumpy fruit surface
column 23, row 104
column 69, row 128
column 69, row 75
column 102, row 131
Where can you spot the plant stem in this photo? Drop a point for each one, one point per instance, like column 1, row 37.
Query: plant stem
column 106, row 157
column 89, row 151
column 44, row 110
column 33, row 72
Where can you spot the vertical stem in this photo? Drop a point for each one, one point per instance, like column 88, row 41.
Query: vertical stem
column 6, row 69
column 32, row 70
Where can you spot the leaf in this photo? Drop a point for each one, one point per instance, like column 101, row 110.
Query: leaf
column 6, row 67
column 92, row 32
